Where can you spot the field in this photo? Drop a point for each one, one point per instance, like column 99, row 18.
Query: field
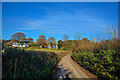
column 48, row 50
column 58, row 52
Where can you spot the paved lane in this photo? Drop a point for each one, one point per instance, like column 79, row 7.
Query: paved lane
column 67, row 68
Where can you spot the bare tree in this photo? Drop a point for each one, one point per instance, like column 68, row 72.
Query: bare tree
column 42, row 41
column 78, row 36
column 51, row 41
column 18, row 36
column 114, row 32
column 65, row 37
column 111, row 33
column 119, row 30
column 108, row 33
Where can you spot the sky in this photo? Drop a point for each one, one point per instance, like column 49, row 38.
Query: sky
column 54, row 19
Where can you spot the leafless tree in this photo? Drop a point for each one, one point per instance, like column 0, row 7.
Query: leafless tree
column 18, row 36
column 65, row 37
column 51, row 41
column 78, row 36
column 42, row 41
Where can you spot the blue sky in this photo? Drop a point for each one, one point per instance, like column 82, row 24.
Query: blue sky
column 58, row 18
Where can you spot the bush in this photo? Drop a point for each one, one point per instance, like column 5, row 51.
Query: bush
column 18, row 63
column 103, row 61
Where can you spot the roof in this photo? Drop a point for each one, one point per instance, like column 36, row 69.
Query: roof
column 21, row 42
column 24, row 41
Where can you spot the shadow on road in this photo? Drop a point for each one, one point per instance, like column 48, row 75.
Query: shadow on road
column 61, row 74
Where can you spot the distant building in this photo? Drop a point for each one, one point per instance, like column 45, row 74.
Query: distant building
column 54, row 46
column 40, row 46
column 49, row 46
column 15, row 44
column 5, row 41
column 20, row 44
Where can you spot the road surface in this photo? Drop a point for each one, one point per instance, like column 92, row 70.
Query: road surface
column 67, row 69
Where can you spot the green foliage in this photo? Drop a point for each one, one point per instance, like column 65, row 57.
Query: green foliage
column 19, row 63
column 34, row 44
column 59, row 44
column 103, row 61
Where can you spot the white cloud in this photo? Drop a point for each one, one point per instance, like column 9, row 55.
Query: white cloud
column 62, row 21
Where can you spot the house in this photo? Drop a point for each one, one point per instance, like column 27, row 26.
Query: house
column 20, row 44
column 54, row 46
column 40, row 46
column 15, row 44
column 49, row 46
column 5, row 41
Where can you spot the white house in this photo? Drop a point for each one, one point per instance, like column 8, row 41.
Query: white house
column 49, row 46
column 54, row 46
column 20, row 44
column 15, row 44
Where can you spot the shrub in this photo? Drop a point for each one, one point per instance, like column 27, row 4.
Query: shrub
column 103, row 61
column 18, row 63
